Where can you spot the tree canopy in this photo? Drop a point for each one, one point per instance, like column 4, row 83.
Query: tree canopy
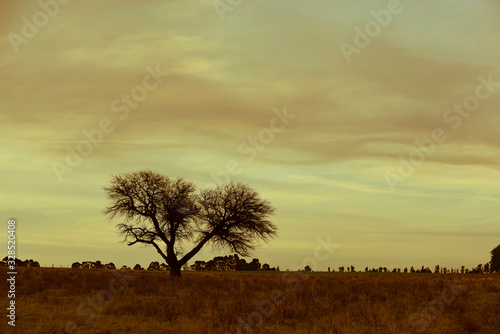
column 171, row 214
column 495, row 259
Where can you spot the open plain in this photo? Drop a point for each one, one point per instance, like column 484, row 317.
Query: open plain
column 109, row 301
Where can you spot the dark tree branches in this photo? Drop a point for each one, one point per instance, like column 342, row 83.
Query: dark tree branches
column 157, row 209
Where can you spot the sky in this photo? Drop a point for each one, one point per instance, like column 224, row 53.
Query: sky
column 369, row 125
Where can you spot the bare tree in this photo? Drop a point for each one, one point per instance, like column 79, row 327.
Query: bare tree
column 170, row 214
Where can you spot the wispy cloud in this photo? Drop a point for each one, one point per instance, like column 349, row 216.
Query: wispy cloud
column 225, row 78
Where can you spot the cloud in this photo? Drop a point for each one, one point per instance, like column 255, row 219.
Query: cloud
column 353, row 120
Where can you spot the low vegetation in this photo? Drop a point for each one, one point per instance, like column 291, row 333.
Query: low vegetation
column 114, row 301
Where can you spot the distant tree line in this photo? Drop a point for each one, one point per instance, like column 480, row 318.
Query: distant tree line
column 486, row 268
column 93, row 265
column 111, row 265
column 492, row 266
column 235, row 263
column 231, row 263
column 218, row 263
column 20, row 263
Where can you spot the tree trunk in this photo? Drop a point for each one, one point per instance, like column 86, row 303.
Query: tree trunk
column 175, row 271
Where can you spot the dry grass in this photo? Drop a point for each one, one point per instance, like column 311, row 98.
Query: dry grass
column 219, row 303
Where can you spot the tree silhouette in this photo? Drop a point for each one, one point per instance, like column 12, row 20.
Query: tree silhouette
column 155, row 265
column 158, row 210
column 495, row 259
column 255, row 264
column 98, row 265
column 229, row 263
column 110, row 265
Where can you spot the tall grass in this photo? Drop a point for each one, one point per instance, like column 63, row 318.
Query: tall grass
column 48, row 299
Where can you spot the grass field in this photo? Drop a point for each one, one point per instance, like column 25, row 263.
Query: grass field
column 108, row 301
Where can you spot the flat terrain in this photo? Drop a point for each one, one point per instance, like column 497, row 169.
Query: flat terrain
column 109, row 301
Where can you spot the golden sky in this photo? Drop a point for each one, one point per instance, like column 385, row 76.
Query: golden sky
column 194, row 89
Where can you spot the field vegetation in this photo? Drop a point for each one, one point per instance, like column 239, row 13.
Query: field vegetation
column 113, row 301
